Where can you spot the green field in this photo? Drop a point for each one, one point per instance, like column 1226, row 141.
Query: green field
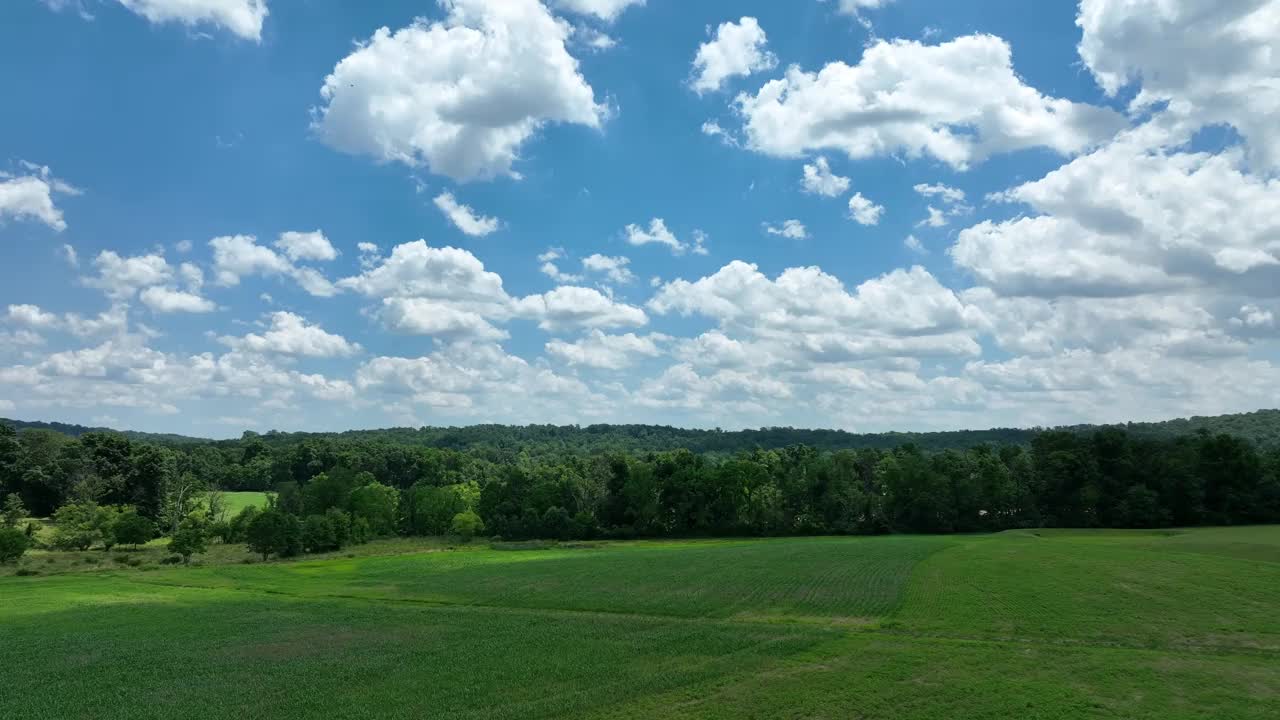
column 1046, row 624
column 234, row 502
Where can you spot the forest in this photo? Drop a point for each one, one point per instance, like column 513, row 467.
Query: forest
column 377, row 484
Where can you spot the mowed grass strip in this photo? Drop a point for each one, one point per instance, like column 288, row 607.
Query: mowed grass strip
column 823, row 579
column 873, row 676
column 118, row 649
column 1100, row 588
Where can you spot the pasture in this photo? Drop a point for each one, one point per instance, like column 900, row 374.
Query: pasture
column 1027, row 624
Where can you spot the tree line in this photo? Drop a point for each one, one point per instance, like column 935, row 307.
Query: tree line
column 329, row 490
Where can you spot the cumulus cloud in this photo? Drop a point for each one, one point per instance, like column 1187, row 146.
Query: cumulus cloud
column 291, row 334
column 236, row 256
column 464, row 218
column 957, row 102
column 604, row 351
column 423, row 316
column 614, row 268
column 1130, row 218
column 571, row 307
column 658, row 233
column 121, row 277
column 306, row 246
column 460, row 96
column 819, row 180
column 793, row 229
column 863, row 211
column 32, row 316
column 169, row 300
column 241, row 17
column 737, row 50
column 606, row 10
column 30, row 197
column 1210, row 61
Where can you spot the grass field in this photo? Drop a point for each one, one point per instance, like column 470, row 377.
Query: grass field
column 237, row 501
column 1022, row 624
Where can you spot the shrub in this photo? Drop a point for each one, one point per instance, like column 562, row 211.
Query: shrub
column 341, row 522
column 377, row 504
column 318, row 534
column 13, row 543
column 238, row 527
column 132, row 529
column 190, row 539
column 26, row 572
column 78, row 526
column 466, row 525
column 13, row 511
column 274, row 532
column 360, row 533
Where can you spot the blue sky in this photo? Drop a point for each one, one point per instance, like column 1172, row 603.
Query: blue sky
column 218, row 215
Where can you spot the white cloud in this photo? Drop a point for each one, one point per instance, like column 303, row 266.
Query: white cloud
column 464, row 218
column 863, row 211
column 914, row 245
column 711, row 128
column 290, row 334
column 235, row 256
column 121, row 277
column 168, row 300
column 958, row 102
column 1251, row 316
column 460, row 96
column 422, row 316
column 69, row 254
column 851, row 7
column 570, row 307
column 30, row 197
column 416, row 269
column 606, row 10
column 1131, row 218
column 32, row 316
column 657, row 233
column 241, row 17
column 1213, row 61
column 947, row 193
column 614, row 268
column 476, row 379
column 738, row 49
column 936, row 219
column 306, row 246
column 793, row 229
column 819, row 180
column 608, row 352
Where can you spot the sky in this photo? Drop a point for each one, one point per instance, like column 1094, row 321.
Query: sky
column 229, row 215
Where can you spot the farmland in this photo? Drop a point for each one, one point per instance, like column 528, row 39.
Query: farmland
column 1047, row 624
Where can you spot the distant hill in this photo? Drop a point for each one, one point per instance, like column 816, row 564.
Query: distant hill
column 78, row 430
column 1261, row 427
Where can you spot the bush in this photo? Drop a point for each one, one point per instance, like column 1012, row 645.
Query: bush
column 13, row 510
column 360, row 533
column 26, row 572
column 132, row 529
column 78, row 526
column 466, row 525
column 318, row 534
column 237, row 529
column 377, row 504
column 190, row 539
column 274, row 532
column 13, row 543
column 341, row 522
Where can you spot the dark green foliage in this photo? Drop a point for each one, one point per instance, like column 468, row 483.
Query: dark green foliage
column 377, row 505
column 131, row 528
column 318, row 534
column 13, row 543
column 78, row 526
column 13, row 510
column 237, row 528
column 274, row 532
column 190, row 539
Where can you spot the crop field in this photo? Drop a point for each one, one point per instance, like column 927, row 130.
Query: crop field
column 1026, row 624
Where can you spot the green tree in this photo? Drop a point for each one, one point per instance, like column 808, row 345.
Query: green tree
column 377, row 504
column 466, row 525
column 13, row 543
column 190, row 539
column 274, row 532
column 131, row 528
column 341, row 523
column 329, row 490
column 360, row 533
column 77, row 526
column 318, row 534
column 237, row 528
column 14, row 510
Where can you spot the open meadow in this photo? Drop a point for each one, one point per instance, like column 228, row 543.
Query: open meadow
column 1027, row 624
